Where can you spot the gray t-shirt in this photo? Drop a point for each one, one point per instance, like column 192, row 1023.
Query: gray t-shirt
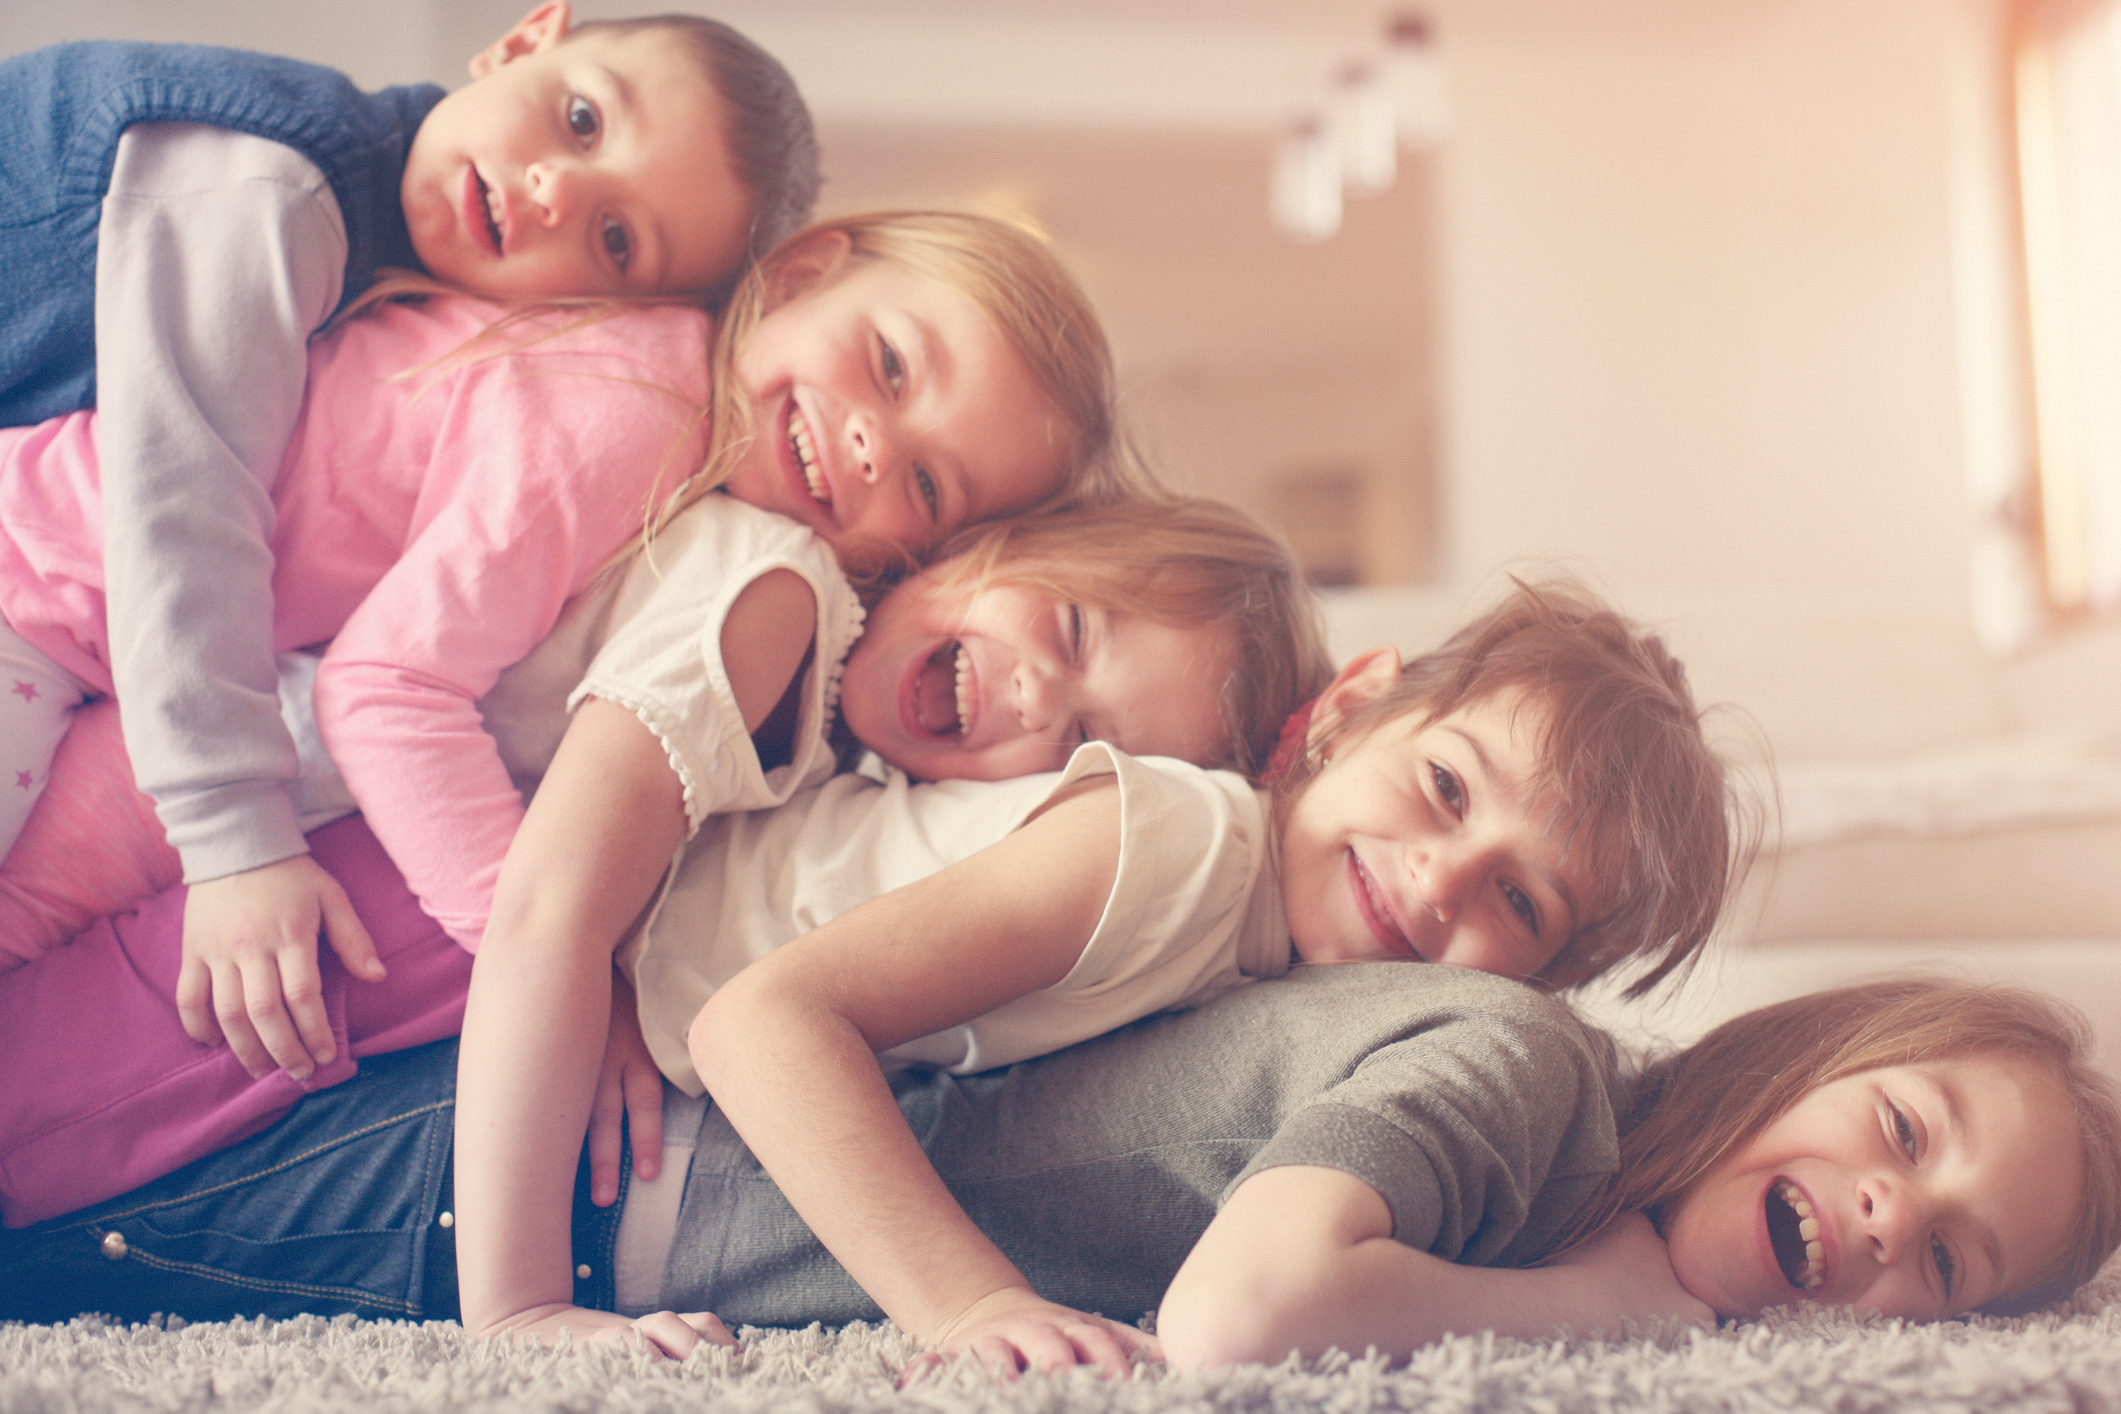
column 1481, row 1110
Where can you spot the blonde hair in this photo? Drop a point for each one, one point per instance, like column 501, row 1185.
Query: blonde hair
column 1651, row 809
column 1178, row 560
column 1692, row 1109
column 1012, row 274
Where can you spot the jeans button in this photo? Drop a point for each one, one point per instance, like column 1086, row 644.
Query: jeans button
column 114, row 1246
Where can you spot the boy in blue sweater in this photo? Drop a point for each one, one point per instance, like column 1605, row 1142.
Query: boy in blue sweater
column 176, row 221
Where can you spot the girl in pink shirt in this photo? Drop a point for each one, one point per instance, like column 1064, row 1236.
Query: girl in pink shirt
column 883, row 380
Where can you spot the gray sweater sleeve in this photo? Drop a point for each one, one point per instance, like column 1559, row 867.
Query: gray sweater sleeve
column 1485, row 1129
column 218, row 255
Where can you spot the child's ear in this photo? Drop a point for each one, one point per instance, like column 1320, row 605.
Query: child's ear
column 533, row 34
column 1357, row 684
column 806, row 264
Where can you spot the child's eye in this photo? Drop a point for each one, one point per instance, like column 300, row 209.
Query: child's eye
column 894, row 368
column 1947, row 1270
column 617, row 244
column 926, row 483
column 582, row 117
column 1448, row 789
column 1075, row 630
column 1521, row 904
column 1902, row 1130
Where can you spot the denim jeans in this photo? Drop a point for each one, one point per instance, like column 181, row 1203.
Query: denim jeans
column 340, row 1208
column 1480, row 1111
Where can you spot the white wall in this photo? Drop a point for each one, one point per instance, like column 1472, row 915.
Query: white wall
column 1700, row 297
column 378, row 42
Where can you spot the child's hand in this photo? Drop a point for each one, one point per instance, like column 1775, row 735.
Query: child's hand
column 1634, row 1273
column 1014, row 1329
column 661, row 1333
column 630, row 1087
column 249, row 975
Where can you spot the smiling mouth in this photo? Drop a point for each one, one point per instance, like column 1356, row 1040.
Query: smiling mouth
column 942, row 694
column 1381, row 916
column 1794, row 1232
column 806, row 457
column 489, row 206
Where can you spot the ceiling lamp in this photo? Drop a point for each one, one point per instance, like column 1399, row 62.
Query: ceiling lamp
column 1349, row 146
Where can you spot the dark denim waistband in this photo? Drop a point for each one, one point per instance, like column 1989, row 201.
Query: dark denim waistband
column 344, row 1206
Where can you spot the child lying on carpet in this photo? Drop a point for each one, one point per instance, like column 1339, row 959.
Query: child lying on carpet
column 1419, row 816
column 1477, row 1116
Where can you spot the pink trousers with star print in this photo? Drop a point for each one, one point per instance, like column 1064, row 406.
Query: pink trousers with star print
column 37, row 702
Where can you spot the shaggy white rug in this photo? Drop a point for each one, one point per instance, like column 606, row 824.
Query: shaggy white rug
column 2066, row 1360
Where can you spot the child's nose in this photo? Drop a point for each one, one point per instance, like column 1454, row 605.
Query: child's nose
column 554, row 190
column 1889, row 1215
column 1441, row 876
column 1039, row 694
column 865, row 435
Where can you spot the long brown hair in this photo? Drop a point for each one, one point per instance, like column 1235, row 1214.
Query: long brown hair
column 1692, row 1109
column 1652, row 809
column 1179, row 560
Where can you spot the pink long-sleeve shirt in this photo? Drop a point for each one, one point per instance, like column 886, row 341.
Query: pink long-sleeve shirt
column 430, row 528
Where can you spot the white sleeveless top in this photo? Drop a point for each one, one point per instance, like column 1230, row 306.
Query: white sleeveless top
column 1194, row 910
column 649, row 638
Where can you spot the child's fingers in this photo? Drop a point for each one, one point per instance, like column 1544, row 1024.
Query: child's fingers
column 709, row 1326
column 605, row 1113
column 302, row 991
column 1097, row 1345
column 671, row 1334
column 232, row 1012
column 264, row 1010
column 1004, row 1358
column 347, row 935
column 921, row 1367
column 644, row 1117
column 195, row 1002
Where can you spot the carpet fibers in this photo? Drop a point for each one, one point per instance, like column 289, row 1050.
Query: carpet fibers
column 2066, row 1359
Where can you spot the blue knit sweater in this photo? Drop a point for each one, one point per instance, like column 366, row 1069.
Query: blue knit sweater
column 62, row 111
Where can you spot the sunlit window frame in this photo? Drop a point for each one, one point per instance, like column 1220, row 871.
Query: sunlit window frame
column 2066, row 79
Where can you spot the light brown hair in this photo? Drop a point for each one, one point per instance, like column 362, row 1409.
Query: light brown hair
column 1182, row 561
column 1651, row 809
column 1013, row 275
column 772, row 147
column 1691, row 1109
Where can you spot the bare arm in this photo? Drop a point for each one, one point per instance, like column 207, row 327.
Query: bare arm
column 1302, row 1259
column 597, row 838
column 593, row 846
column 788, row 1050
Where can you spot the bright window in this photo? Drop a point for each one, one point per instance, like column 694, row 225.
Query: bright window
column 2068, row 87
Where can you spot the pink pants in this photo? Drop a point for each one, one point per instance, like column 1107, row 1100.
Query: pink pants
column 101, row 1090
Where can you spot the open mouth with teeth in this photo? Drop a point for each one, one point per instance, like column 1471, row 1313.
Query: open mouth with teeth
column 806, row 457
column 942, row 693
column 490, row 205
column 1794, row 1231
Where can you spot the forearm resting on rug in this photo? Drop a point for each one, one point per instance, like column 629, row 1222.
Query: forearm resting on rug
column 91, row 847
column 1302, row 1260
column 591, row 850
column 788, row 1050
